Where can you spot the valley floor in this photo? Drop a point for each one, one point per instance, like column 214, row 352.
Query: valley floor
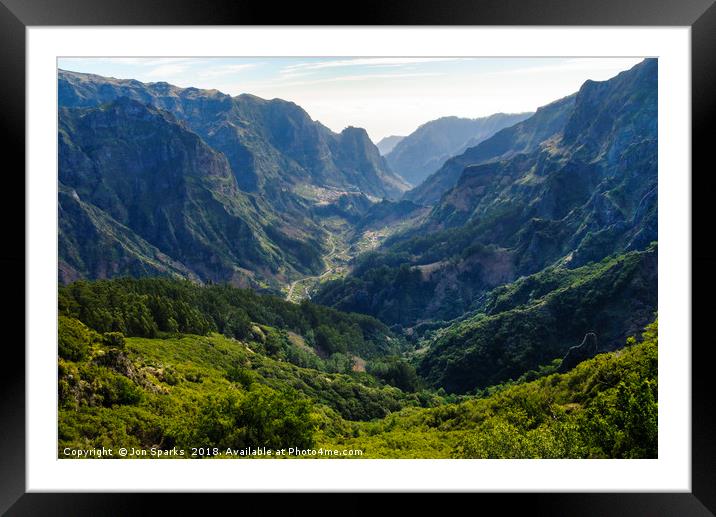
column 344, row 245
column 336, row 267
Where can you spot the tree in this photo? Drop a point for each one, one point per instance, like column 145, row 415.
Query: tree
column 262, row 417
column 396, row 372
column 329, row 340
column 74, row 339
column 114, row 340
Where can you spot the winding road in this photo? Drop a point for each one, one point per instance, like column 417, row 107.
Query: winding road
column 329, row 269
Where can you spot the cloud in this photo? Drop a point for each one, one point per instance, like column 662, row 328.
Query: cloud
column 365, row 61
column 364, row 77
column 570, row 65
column 166, row 70
column 283, row 83
column 227, row 69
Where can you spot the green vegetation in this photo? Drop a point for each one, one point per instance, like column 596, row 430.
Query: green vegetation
column 446, row 328
column 529, row 323
column 189, row 391
column 152, row 307
column 185, row 391
column 606, row 407
column 396, row 372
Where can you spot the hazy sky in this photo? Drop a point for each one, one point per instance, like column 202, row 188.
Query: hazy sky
column 386, row 96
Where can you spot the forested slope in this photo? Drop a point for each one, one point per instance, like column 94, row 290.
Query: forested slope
column 181, row 392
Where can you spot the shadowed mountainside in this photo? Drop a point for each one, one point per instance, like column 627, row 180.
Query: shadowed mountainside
column 200, row 184
column 587, row 189
column 133, row 173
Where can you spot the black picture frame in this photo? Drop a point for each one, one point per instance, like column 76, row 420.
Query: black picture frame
column 700, row 15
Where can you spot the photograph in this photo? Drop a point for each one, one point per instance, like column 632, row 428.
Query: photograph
column 462, row 246
column 351, row 257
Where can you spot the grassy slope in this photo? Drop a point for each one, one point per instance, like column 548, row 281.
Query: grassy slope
column 152, row 392
column 605, row 407
column 178, row 391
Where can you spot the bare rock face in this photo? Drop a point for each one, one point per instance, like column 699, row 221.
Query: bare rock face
column 576, row 354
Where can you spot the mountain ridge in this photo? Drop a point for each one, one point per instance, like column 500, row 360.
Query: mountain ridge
column 275, row 152
column 521, row 137
column 262, row 139
column 550, row 200
column 423, row 151
column 147, row 172
column 387, row 143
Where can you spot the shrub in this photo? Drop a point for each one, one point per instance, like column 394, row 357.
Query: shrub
column 74, row 339
column 262, row 418
column 114, row 340
column 241, row 376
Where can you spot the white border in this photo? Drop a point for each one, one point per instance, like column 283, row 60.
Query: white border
column 671, row 472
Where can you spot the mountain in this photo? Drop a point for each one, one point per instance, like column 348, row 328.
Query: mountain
column 421, row 153
column 140, row 193
column 92, row 244
column 537, row 319
column 349, row 206
column 388, row 214
column 135, row 183
column 490, row 313
column 522, row 137
column 386, row 144
column 571, row 185
column 273, row 146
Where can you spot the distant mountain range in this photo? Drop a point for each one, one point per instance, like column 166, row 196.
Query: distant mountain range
column 270, row 144
column 570, row 186
column 385, row 145
column 523, row 137
column 422, row 152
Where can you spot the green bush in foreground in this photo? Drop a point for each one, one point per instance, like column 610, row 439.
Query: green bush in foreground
column 261, row 417
column 212, row 391
column 74, row 339
column 606, row 407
